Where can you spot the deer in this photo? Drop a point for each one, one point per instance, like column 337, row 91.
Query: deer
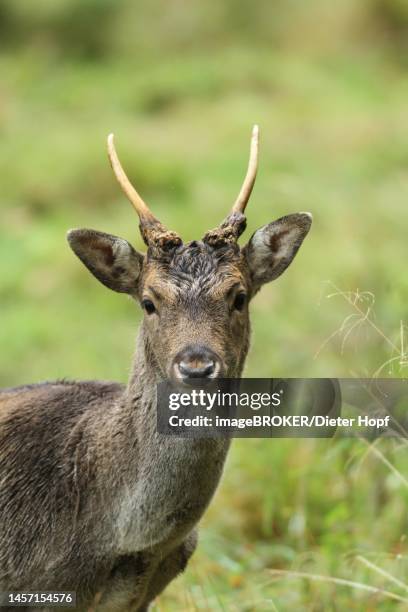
column 92, row 498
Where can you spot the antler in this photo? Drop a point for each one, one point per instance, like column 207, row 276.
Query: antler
column 232, row 227
column 249, row 181
column 153, row 232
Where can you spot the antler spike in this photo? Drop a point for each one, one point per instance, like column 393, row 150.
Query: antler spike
column 153, row 232
column 249, row 181
column 137, row 202
column 232, row 227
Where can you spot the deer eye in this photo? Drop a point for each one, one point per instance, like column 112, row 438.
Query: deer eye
column 148, row 306
column 239, row 301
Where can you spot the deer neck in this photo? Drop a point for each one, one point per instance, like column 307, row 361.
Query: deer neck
column 145, row 373
column 175, row 478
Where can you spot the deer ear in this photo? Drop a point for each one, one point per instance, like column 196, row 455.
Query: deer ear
column 272, row 248
column 112, row 260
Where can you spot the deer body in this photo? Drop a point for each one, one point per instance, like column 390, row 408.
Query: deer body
column 92, row 498
column 104, row 490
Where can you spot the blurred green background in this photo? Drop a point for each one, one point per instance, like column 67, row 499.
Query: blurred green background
column 181, row 84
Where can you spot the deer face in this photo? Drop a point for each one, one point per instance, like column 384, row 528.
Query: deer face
column 195, row 296
column 196, row 311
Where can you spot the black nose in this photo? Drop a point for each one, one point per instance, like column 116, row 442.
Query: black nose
column 200, row 371
column 196, row 362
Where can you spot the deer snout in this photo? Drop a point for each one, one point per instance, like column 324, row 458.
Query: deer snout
column 197, row 361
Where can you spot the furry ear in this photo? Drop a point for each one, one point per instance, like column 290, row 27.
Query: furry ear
column 112, row 260
column 272, row 248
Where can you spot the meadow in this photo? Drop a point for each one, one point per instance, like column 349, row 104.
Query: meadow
column 314, row 525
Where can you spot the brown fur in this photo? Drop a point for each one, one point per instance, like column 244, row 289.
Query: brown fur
column 92, row 498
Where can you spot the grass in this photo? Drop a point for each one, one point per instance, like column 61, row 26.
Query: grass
column 293, row 519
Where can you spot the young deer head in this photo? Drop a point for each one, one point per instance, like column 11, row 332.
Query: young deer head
column 195, row 296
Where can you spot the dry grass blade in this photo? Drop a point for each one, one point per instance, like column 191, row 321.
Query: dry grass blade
column 379, row 454
column 363, row 303
column 340, row 581
column 346, row 325
column 382, row 572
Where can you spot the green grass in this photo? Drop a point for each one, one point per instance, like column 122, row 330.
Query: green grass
column 334, row 140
